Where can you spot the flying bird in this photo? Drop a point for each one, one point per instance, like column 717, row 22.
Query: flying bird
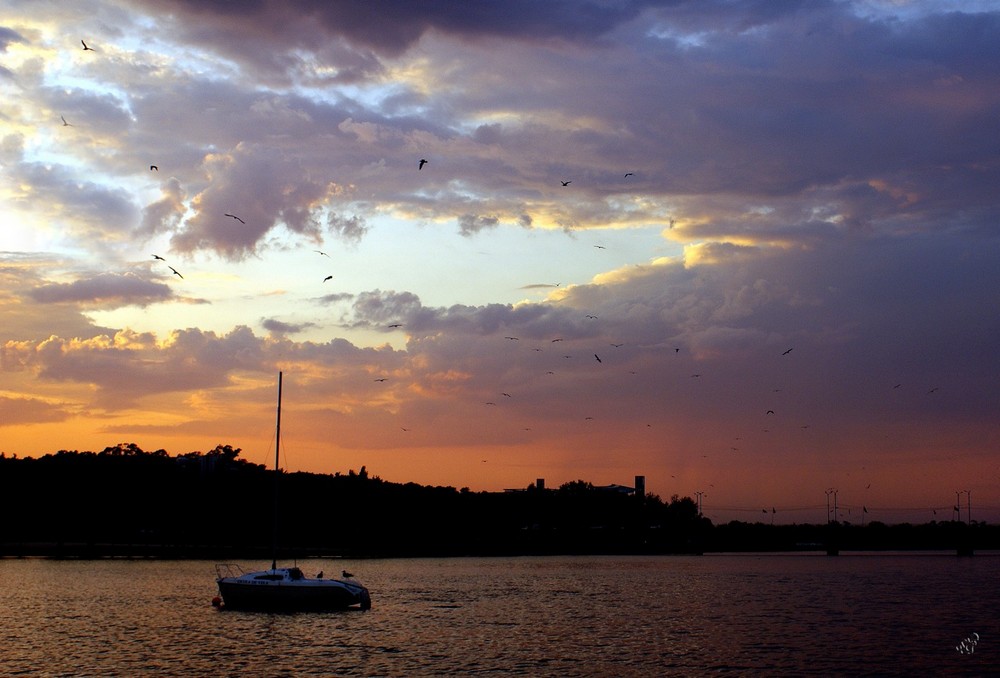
column 157, row 256
column 506, row 395
column 329, row 277
column 600, row 247
column 321, row 252
column 236, row 218
column 617, row 345
column 85, row 48
column 598, row 358
column 396, row 325
column 565, row 183
column 175, row 272
column 381, row 379
column 422, row 163
column 592, row 317
column 512, row 338
column 628, row 174
column 555, row 340
column 769, row 412
column 65, row 124
column 787, row 352
column 154, row 168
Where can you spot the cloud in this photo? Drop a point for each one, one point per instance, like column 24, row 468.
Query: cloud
column 261, row 187
column 279, row 328
column 391, row 27
column 164, row 215
column 470, row 224
column 352, row 229
column 381, row 308
column 109, row 290
column 20, row 411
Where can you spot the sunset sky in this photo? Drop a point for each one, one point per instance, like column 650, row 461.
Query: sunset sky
column 774, row 269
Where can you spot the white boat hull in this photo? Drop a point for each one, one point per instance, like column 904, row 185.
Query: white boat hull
column 286, row 589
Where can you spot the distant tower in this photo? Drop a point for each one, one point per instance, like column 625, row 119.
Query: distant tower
column 540, row 484
column 640, row 487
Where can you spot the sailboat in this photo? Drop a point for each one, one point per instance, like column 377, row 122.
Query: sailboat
column 285, row 588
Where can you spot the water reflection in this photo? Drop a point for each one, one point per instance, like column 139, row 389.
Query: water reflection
column 528, row 616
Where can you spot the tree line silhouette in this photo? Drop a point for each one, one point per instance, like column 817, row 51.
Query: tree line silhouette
column 124, row 501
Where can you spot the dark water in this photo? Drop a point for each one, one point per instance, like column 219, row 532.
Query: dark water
column 558, row 616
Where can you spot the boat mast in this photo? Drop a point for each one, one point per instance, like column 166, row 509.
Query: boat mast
column 277, row 448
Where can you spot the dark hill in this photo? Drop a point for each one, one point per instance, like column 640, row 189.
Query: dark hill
column 124, row 501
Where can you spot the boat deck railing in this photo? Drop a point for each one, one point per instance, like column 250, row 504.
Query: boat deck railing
column 226, row 570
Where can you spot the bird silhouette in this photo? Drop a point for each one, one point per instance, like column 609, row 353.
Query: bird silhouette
column 329, row 277
column 769, row 412
column 598, row 358
column 321, row 252
column 85, row 48
column 65, row 124
column 236, row 218
column 154, row 168
column 628, row 174
column 566, row 183
column 512, row 338
column 555, row 340
column 396, row 325
column 592, row 317
column 617, row 345
column 157, row 256
column 422, row 163
column 600, row 247
column 787, row 352
column 175, row 272
column 381, row 379
column 346, row 574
